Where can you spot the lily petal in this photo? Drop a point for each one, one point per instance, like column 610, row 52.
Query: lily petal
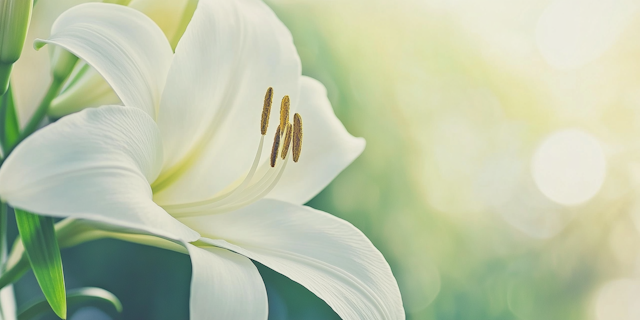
column 225, row 285
column 327, row 255
column 31, row 73
column 126, row 47
column 326, row 150
column 96, row 165
column 209, row 118
column 91, row 90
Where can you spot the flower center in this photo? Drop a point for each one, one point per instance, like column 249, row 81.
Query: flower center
column 259, row 180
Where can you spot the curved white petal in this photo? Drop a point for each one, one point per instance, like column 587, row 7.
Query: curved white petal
column 126, row 47
column 90, row 89
column 327, row 147
column 31, row 73
column 327, row 255
column 96, row 165
column 231, row 52
column 225, row 285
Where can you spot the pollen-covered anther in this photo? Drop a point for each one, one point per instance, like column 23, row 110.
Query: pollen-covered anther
column 266, row 111
column 297, row 136
column 275, row 148
column 285, row 106
column 287, row 141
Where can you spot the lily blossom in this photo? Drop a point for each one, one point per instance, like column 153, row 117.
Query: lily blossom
column 31, row 75
column 190, row 158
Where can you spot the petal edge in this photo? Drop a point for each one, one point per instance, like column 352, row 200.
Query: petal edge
column 327, row 255
column 126, row 47
column 96, row 165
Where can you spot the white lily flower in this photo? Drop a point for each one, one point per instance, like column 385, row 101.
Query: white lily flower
column 31, row 74
column 185, row 159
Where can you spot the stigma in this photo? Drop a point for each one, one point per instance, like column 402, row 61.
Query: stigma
column 262, row 176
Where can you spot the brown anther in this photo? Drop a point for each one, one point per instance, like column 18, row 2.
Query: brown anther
column 297, row 136
column 287, row 140
column 285, row 106
column 274, row 149
column 266, row 111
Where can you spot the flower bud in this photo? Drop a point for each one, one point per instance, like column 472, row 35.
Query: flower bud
column 14, row 23
column 62, row 63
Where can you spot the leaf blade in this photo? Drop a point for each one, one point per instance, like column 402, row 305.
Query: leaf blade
column 41, row 245
column 75, row 296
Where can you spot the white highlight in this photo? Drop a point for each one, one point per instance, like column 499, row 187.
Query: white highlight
column 572, row 33
column 569, row 167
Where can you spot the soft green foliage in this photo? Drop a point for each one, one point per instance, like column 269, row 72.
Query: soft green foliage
column 453, row 97
column 39, row 238
column 75, row 297
column 14, row 272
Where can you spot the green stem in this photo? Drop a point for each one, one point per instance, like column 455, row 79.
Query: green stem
column 41, row 112
column 3, row 235
column 5, row 75
column 71, row 232
column 3, row 119
column 38, row 115
column 15, row 272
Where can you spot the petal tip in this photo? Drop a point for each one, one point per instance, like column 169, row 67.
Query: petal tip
column 39, row 43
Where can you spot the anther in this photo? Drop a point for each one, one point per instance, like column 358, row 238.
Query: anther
column 284, row 113
column 274, row 149
column 287, row 140
column 297, row 136
column 266, row 111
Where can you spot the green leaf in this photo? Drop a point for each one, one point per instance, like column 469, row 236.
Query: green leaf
column 74, row 297
column 40, row 243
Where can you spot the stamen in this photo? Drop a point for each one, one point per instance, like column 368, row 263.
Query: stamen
column 297, row 136
column 287, row 140
column 285, row 106
column 254, row 193
column 266, row 111
column 275, row 148
column 258, row 182
column 258, row 193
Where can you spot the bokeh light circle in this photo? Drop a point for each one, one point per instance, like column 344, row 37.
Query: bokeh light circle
column 619, row 300
column 569, row 167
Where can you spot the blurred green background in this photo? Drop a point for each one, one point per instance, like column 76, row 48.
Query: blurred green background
column 456, row 99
